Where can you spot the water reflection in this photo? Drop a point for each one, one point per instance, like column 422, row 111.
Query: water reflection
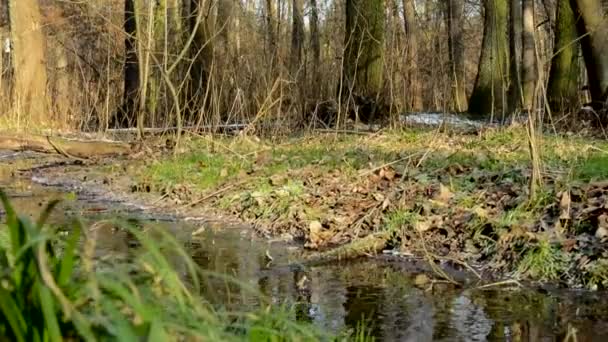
column 338, row 297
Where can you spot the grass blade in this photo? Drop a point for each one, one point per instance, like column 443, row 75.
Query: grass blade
column 48, row 310
column 12, row 314
column 66, row 267
column 46, row 213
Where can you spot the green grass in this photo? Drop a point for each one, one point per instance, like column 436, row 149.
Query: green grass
column 52, row 288
column 544, row 262
column 593, row 168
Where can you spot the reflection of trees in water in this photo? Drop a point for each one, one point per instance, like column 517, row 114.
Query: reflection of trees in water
column 469, row 320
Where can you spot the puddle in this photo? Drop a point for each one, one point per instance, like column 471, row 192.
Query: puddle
column 337, row 297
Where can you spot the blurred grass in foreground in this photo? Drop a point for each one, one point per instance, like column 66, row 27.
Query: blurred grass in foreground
column 52, row 288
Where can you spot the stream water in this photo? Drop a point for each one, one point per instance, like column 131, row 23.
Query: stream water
column 382, row 292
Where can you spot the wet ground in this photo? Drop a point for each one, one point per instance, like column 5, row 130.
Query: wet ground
column 384, row 292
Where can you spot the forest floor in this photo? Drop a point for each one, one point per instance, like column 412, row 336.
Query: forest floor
column 461, row 198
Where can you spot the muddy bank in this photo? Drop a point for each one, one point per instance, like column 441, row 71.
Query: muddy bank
column 396, row 300
column 449, row 199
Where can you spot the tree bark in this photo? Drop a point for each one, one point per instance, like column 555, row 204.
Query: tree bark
column 411, row 56
column 297, row 36
column 271, row 39
column 202, row 56
column 126, row 116
column 315, row 43
column 363, row 53
column 562, row 90
column 488, row 96
column 456, row 46
column 592, row 25
column 29, row 61
column 315, row 46
column 515, row 53
column 529, row 69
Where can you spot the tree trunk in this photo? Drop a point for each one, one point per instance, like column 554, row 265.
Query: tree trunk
column 126, row 116
column 411, row 56
column 202, row 57
column 456, row 46
column 488, row 97
column 315, row 43
column 271, row 39
column 29, row 61
column 315, row 46
column 297, row 37
column 529, row 70
column 225, row 9
column 515, row 53
column 562, row 90
column 593, row 27
column 363, row 52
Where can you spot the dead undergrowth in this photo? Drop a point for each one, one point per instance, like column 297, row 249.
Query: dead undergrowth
column 448, row 197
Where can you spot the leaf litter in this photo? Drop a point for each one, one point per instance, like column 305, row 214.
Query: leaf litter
column 465, row 197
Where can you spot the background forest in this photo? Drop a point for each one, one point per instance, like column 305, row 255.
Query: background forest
column 94, row 65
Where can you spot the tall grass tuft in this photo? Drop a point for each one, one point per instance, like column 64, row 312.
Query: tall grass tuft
column 53, row 288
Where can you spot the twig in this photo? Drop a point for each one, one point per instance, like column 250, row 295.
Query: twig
column 61, row 150
column 342, row 131
column 211, row 195
column 500, row 283
column 367, row 172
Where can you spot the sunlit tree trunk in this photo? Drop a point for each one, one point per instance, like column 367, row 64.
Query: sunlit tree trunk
column 529, row 70
column 363, row 62
column 515, row 54
column 456, row 46
column 593, row 27
column 29, row 61
column 411, row 56
column 562, row 90
column 488, row 97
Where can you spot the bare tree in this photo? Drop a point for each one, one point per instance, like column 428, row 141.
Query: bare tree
column 529, row 69
column 492, row 75
column 297, row 35
column 456, row 46
column 562, row 90
column 127, row 115
column 592, row 26
column 411, row 55
column 363, row 53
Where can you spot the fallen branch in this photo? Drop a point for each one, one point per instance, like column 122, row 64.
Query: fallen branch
column 74, row 149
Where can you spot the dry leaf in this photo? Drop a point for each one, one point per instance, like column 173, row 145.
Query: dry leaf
column 565, row 205
column 445, row 195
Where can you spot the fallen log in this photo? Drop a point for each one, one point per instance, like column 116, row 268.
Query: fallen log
column 75, row 149
column 369, row 245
